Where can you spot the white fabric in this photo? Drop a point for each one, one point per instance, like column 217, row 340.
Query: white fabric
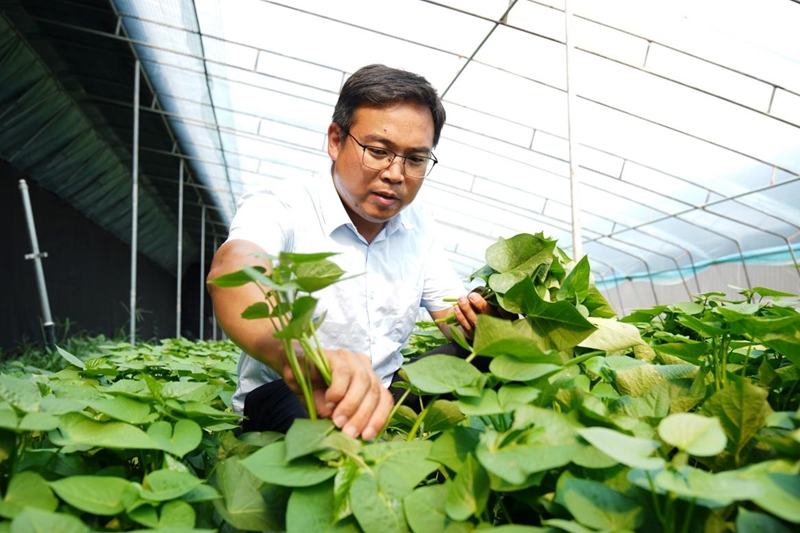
column 373, row 313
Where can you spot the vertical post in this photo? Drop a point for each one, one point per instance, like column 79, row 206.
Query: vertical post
column 135, row 200
column 213, row 316
column 179, row 273
column 36, row 256
column 577, row 239
column 202, row 271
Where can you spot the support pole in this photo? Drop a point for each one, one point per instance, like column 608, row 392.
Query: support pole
column 179, row 273
column 213, row 316
column 577, row 239
column 202, row 271
column 36, row 256
column 135, row 200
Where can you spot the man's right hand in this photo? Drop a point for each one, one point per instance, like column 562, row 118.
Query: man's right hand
column 356, row 400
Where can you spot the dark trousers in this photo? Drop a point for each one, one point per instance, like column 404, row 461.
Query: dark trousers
column 273, row 407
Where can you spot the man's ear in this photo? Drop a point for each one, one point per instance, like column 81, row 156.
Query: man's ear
column 335, row 138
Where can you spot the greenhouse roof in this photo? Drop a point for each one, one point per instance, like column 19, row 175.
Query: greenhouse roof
column 679, row 120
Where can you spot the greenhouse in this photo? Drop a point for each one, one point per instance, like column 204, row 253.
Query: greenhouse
column 616, row 183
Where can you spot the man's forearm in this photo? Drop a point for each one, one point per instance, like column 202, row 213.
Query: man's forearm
column 254, row 337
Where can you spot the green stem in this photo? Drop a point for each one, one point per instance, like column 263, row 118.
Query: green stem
column 392, row 413
column 726, row 339
column 656, row 505
column 420, row 418
column 317, row 356
column 687, row 520
column 324, row 359
column 747, row 358
column 291, row 357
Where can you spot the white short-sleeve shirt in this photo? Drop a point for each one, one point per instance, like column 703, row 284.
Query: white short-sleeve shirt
column 373, row 313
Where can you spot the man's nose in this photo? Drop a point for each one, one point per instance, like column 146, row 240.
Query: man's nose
column 394, row 172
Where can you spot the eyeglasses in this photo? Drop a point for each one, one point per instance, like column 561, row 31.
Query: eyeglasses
column 414, row 166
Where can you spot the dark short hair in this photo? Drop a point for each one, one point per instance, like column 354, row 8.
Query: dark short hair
column 379, row 85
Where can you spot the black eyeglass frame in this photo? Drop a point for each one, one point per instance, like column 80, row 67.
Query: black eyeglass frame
column 395, row 155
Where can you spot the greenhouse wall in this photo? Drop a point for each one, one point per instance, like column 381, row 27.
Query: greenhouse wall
column 87, row 273
column 724, row 277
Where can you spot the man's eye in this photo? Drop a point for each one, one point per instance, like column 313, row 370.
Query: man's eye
column 377, row 152
column 417, row 161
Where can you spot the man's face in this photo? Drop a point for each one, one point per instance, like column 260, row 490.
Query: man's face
column 372, row 197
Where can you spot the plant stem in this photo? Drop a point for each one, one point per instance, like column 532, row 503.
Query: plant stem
column 656, row 505
column 392, row 413
column 687, row 520
column 420, row 418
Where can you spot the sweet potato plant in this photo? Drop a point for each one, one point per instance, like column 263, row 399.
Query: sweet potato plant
column 678, row 418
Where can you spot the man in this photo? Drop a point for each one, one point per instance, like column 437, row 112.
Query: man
column 385, row 126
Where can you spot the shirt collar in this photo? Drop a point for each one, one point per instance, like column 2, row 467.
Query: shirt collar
column 334, row 216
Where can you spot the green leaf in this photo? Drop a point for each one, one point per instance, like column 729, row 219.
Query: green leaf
column 452, row 447
column 484, row 405
column 570, row 526
column 496, row 336
column 425, row 508
column 510, row 254
column 400, row 466
column 597, row 305
column 442, row 415
column 440, row 374
column 77, row 430
column 742, row 409
column 576, row 285
column 559, row 325
column 736, row 312
column 342, row 482
column 611, row 336
column 39, row 422
column 257, row 274
column 122, row 408
column 244, row 506
column 306, row 437
column 469, row 493
column 515, row 462
column 20, row 393
column 693, row 484
column 302, row 314
column 310, row 509
column 752, row 522
column 71, row 359
column 630, row 451
column 595, row 505
column 177, row 514
column 697, row 435
column 316, row 275
column 27, row 490
column 180, row 440
column 269, row 464
column 37, row 520
column 512, row 395
column 704, row 328
column 145, row 514
column 637, row 381
column 375, row 510
column 781, row 334
column 688, row 308
column 93, row 494
column 689, row 350
column 512, row 368
column 780, row 496
column 458, row 337
column 235, row 279
column 258, row 310
column 163, row 485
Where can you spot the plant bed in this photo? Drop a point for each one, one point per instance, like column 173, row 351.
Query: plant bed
column 677, row 418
